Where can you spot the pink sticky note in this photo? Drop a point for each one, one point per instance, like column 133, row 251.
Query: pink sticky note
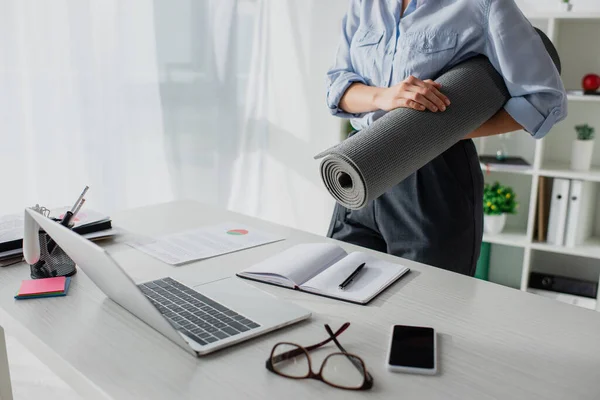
column 38, row 286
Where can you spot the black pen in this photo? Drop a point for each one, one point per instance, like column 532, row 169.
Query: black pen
column 351, row 277
column 66, row 222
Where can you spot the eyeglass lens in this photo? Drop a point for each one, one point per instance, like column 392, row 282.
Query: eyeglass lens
column 338, row 369
column 294, row 366
column 341, row 370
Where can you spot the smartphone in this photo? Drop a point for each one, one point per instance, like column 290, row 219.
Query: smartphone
column 413, row 349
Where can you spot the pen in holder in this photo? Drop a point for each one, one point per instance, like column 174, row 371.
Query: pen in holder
column 52, row 263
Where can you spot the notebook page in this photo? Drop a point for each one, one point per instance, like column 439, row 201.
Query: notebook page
column 298, row 263
column 372, row 279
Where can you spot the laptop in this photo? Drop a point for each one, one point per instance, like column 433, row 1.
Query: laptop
column 216, row 315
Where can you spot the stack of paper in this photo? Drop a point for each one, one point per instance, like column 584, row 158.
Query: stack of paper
column 47, row 287
column 88, row 223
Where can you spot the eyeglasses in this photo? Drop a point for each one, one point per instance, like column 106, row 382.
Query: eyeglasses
column 341, row 370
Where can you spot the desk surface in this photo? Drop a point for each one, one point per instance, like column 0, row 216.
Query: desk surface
column 495, row 342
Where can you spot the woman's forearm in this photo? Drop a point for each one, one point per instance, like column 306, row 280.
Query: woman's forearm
column 359, row 98
column 410, row 93
column 500, row 123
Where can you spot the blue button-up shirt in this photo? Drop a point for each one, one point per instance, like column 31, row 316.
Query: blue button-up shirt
column 379, row 47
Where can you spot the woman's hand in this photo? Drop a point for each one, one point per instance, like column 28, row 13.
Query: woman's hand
column 412, row 93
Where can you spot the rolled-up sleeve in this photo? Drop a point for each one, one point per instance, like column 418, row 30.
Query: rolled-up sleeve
column 341, row 74
column 538, row 97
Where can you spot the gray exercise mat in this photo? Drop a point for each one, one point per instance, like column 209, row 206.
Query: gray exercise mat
column 371, row 162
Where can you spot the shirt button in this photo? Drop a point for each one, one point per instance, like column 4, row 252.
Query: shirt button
column 555, row 112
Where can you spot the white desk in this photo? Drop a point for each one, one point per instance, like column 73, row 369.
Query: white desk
column 495, row 342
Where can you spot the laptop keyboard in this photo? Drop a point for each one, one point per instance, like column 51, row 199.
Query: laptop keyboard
column 202, row 319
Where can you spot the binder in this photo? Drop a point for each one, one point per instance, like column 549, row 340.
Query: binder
column 598, row 299
column 558, row 212
column 563, row 284
column 543, row 208
column 582, row 198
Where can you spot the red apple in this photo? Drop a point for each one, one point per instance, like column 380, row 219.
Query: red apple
column 591, row 82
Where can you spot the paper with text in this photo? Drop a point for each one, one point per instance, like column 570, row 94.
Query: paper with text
column 205, row 242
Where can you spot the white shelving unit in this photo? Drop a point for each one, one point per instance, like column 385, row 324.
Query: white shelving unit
column 549, row 157
column 580, row 97
column 560, row 15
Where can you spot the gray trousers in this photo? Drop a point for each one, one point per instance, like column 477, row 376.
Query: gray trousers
column 435, row 216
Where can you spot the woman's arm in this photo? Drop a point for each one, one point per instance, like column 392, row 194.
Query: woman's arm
column 341, row 74
column 500, row 123
column 538, row 98
column 348, row 94
column 410, row 93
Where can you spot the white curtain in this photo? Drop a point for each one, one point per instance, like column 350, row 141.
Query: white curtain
column 203, row 56
column 286, row 121
column 80, row 104
column 152, row 100
column 139, row 99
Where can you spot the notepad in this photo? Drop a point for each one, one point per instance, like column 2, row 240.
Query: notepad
column 47, row 287
column 319, row 268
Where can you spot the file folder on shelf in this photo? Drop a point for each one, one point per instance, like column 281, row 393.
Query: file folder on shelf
column 558, row 212
column 582, row 201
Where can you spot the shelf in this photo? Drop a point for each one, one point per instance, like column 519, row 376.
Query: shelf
column 561, row 170
column 508, row 170
column 583, row 98
column 507, row 238
column 590, row 249
column 562, row 15
column 579, row 301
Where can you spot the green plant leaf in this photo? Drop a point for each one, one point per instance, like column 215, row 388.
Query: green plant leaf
column 584, row 132
column 499, row 199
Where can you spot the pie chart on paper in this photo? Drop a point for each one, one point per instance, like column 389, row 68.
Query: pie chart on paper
column 237, row 232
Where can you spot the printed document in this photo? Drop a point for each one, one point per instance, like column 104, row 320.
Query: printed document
column 205, row 242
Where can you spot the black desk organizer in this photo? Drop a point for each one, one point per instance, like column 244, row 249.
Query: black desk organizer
column 57, row 263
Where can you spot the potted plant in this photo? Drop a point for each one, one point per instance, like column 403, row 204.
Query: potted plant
column 498, row 200
column 583, row 148
column 565, row 5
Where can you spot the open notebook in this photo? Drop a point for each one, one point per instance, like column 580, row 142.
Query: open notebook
column 319, row 268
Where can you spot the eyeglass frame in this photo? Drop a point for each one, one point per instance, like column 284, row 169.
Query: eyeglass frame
column 354, row 359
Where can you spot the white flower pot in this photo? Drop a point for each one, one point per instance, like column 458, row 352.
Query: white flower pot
column 581, row 155
column 566, row 6
column 494, row 224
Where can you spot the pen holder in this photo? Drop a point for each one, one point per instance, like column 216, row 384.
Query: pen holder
column 57, row 263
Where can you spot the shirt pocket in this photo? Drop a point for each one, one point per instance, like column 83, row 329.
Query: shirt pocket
column 427, row 53
column 367, row 54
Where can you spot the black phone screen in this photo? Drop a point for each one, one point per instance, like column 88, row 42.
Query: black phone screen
column 412, row 346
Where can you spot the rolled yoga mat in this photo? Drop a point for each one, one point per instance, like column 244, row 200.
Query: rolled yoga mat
column 371, row 162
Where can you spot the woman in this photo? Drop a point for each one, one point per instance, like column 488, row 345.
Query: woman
column 389, row 52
